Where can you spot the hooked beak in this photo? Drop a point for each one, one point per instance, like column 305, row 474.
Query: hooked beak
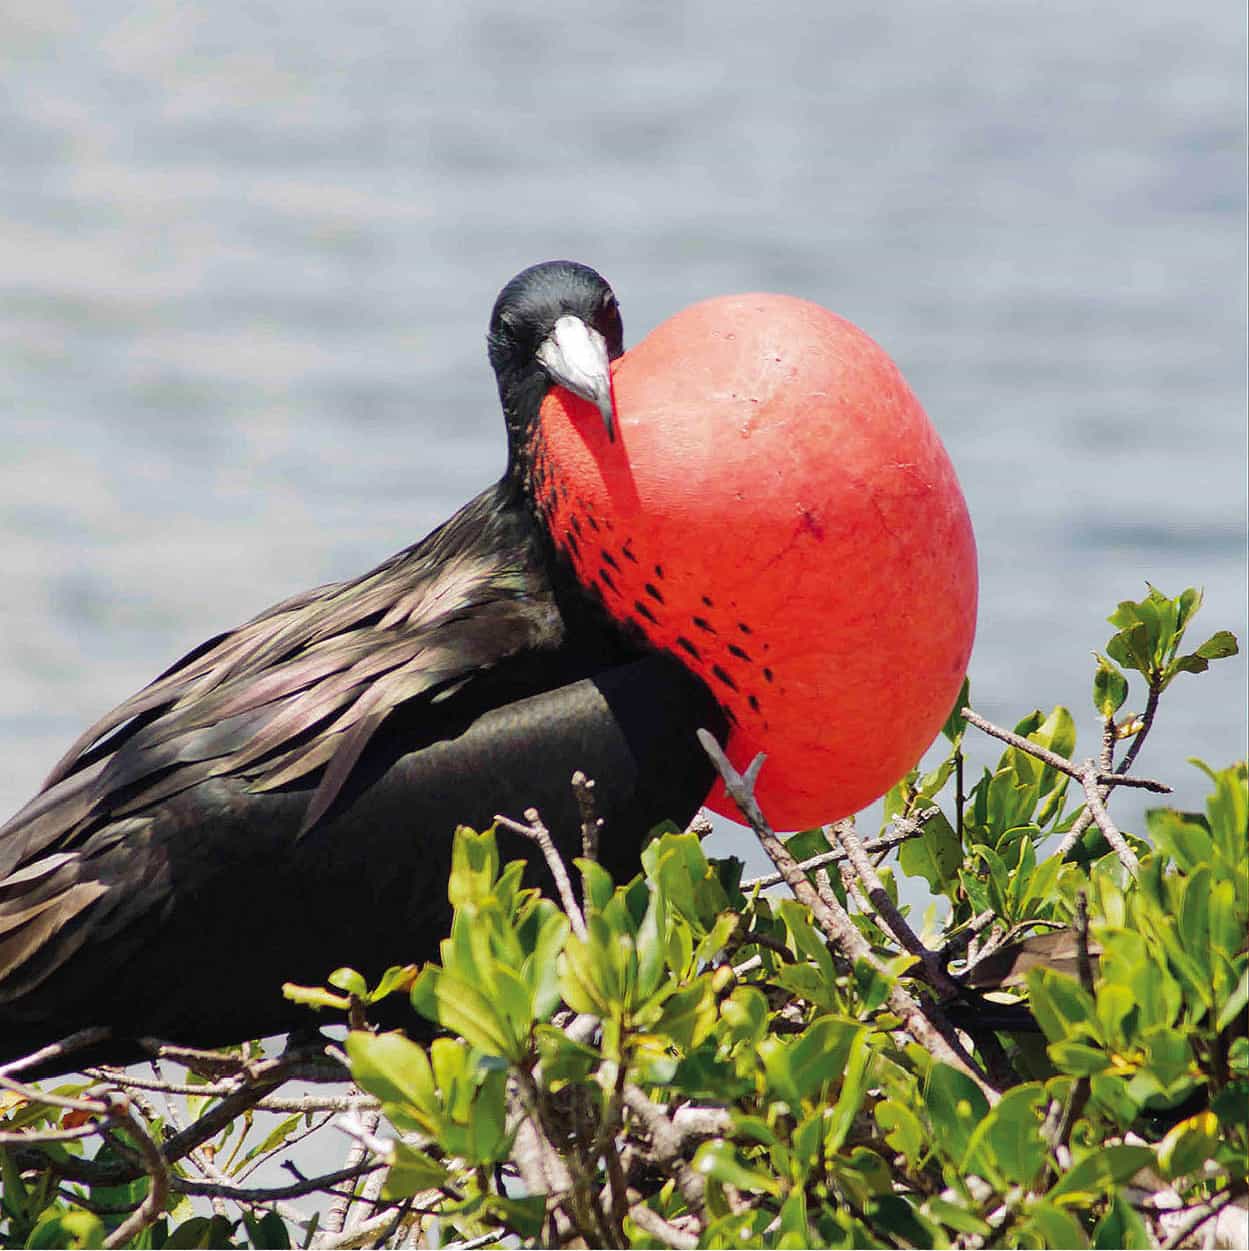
column 575, row 356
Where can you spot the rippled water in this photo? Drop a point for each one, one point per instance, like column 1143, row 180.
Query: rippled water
column 247, row 252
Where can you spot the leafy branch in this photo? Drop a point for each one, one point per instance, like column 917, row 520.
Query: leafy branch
column 687, row 1059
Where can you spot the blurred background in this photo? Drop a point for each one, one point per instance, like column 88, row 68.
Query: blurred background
column 248, row 252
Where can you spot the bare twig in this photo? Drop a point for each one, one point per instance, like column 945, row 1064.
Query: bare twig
column 1062, row 1119
column 652, row 1223
column 267, row 1194
column 1097, row 783
column 873, row 847
column 378, row 1229
column 536, row 832
column 54, row 1051
column 33, row 1094
column 929, row 1027
column 25, row 1136
column 319, row 1103
column 542, row 1169
column 1198, row 1217
column 1061, row 763
column 370, row 1202
column 472, row 1244
column 154, row 1165
column 215, row 1064
column 1147, row 721
column 958, row 942
column 266, row 1075
column 272, row 1103
column 1109, row 829
column 362, row 1129
column 1084, row 961
column 666, row 1144
column 591, row 822
column 886, row 910
column 614, row 1196
column 692, row 1121
column 700, row 825
column 1106, row 762
column 132, row 1081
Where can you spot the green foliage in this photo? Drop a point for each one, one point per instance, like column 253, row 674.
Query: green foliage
column 1150, row 632
column 699, row 1059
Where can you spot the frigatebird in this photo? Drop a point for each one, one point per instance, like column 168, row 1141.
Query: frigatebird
column 282, row 800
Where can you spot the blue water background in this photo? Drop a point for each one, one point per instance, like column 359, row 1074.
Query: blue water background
column 247, row 252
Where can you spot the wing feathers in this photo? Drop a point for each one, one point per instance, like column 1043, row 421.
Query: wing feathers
column 306, row 685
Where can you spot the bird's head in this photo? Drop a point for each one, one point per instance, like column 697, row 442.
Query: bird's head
column 556, row 324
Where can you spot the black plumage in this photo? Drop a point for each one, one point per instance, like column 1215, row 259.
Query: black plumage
column 282, row 800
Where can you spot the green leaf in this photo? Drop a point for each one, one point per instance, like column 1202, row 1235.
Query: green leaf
column 689, row 1015
column 805, row 939
column 350, row 981
column 1131, row 648
column 1189, row 1145
column 397, row 979
column 564, row 1059
column 268, row 1232
column 719, row 1161
column 1078, row 1058
column 412, row 1172
column 898, row 798
column 1187, row 607
column 524, row 1215
column 956, row 1218
column 800, row 1069
column 1110, row 687
column 463, row 1008
column 1098, row 1172
column 398, row 1072
column 651, row 947
column 716, row 939
column 936, row 856
column 1055, row 1227
column 1060, row 1004
column 1184, row 836
column 67, row 1229
column 474, row 868
column 1121, row 1228
column 745, row 1016
column 1227, row 812
column 597, row 884
column 955, row 725
column 807, row 982
column 795, row 1231
column 902, row 1130
column 315, row 997
column 955, row 1106
column 197, row 1232
column 1236, row 1003
column 1218, row 646
column 1008, row 1142
column 853, row 1089
column 899, row 1217
column 278, row 1135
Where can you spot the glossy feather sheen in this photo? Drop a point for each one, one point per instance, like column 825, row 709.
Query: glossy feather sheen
column 282, row 800
column 292, row 689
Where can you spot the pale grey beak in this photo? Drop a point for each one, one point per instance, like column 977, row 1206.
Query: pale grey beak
column 575, row 356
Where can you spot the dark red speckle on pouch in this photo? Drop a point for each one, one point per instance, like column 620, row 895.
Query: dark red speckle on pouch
column 811, row 524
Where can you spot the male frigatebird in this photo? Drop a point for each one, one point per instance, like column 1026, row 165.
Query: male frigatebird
column 281, row 801
column 747, row 524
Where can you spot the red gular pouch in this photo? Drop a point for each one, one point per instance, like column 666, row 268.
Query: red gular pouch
column 776, row 510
